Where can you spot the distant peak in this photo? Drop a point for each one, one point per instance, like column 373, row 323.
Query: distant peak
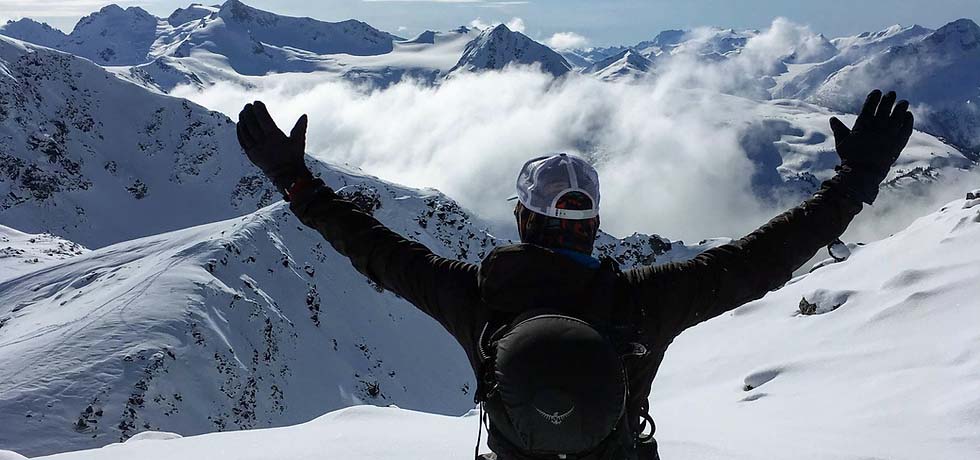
column 234, row 9
column 111, row 8
column 25, row 21
column 114, row 9
column 961, row 24
column 967, row 31
column 461, row 30
column 194, row 12
column 427, row 37
column 231, row 5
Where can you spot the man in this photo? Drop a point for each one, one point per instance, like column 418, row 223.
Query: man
column 572, row 380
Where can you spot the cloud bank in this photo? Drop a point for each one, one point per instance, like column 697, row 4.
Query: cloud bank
column 663, row 167
column 667, row 149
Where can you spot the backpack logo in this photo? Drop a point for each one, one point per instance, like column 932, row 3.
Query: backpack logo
column 555, row 418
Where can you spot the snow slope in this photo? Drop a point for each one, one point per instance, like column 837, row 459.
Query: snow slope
column 625, row 65
column 239, row 324
column 97, row 160
column 886, row 365
column 22, row 253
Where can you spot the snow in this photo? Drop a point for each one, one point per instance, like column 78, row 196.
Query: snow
column 892, row 372
column 368, row 433
column 195, row 318
column 203, row 305
column 22, row 253
column 244, row 323
column 498, row 47
column 75, row 139
column 627, row 64
column 934, row 69
column 34, row 32
column 895, row 363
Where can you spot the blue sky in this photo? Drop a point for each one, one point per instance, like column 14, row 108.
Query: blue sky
column 600, row 22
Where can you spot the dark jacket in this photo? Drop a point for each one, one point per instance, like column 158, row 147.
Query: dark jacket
column 661, row 300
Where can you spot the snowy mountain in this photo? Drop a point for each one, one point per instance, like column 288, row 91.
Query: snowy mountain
column 194, row 12
column 110, row 36
column 625, row 65
column 74, row 139
column 934, row 69
column 201, row 45
column 34, row 32
column 938, row 72
column 256, row 42
column 248, row 40
column 868, row 42
column 802, row 79
column 498, row 47
column 791, row 149
column 801, row 371
column 114, row 36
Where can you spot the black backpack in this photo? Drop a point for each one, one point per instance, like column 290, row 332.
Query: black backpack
column 554, row 384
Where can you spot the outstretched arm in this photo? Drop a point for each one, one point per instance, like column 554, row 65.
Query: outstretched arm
column 440, row 287
column 679, row 295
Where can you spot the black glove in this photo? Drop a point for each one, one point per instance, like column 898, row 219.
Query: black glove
column 869, row 149
column 279, row 157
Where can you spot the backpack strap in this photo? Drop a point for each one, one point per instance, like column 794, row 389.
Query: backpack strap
column 493, row 331
column 627, row 321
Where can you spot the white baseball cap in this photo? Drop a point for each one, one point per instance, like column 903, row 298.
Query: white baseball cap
column 545, row 180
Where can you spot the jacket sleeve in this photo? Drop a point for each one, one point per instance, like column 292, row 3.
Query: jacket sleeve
column 679, row 295
column 442, row 288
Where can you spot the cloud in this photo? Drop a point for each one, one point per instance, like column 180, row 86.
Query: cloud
column 655, row 149
column 566, row 40
column 54, row 8
column 514, row 24
column 668, row 149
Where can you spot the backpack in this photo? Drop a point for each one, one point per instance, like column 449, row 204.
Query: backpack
column 553, row 382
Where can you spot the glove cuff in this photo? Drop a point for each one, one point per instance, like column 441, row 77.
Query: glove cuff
column 285, row 178
column 860, row 183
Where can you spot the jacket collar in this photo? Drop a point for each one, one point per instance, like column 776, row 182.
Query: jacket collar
column 521, row 276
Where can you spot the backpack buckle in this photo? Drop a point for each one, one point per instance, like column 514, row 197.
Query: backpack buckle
column 636, row 349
